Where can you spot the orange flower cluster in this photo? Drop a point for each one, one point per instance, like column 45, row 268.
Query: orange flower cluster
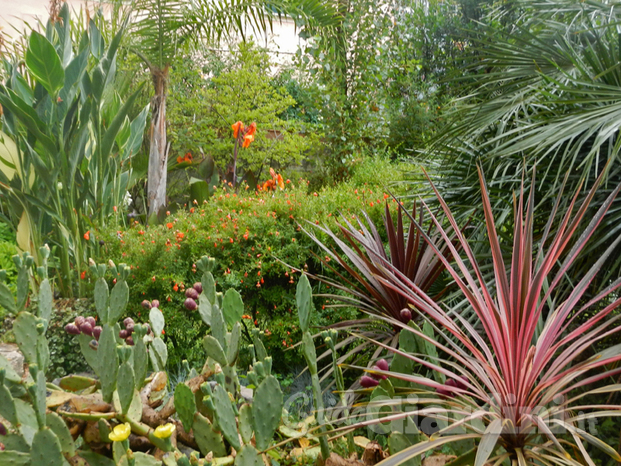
column 270, row 185
column 246, row 132
column 186, row 158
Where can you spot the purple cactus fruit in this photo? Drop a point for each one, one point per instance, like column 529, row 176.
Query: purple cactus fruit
column 382, row 365
column 406, row 315
column 130, row 328
column 155, row 303
column 2, row 447
column 2, row 429
column 191, row 293
column 72, row 329
column 79, row 321
column 146, row 304
column 87, row 329
column 127, row 321
column 198, row 286
column 123, row 334
column 92, row 321
column 130, row 341
column 148, row 328
column 190, row 304
column 368, row 382
column 97, row 332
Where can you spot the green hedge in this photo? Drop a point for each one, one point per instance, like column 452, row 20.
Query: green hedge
column 256, row 240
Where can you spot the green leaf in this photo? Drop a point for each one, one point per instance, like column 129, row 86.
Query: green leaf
column 44, row 63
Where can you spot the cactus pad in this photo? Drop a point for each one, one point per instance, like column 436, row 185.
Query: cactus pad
column 185, row 405
column 226, row 416
column 207, row 439
column 232, row 306
column 214, row 350
column 304, row 300
column 266, row 411
column 248, row 456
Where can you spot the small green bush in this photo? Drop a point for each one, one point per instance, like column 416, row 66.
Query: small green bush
column 256, row 241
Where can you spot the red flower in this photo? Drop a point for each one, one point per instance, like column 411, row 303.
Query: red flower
column 83, row 275
column 237, row 127
column 248, row 138
column 188, row 158
column 176, row 287
column 87, row 235
column 179, row 159
column 169, row 225
column 251, row 129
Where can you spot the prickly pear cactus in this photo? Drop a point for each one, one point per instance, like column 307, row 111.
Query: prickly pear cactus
column 304, row 297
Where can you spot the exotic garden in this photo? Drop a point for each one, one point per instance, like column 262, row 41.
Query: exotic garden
column 399, row 244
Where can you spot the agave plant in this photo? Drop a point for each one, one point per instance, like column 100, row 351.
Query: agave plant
column 517, row 382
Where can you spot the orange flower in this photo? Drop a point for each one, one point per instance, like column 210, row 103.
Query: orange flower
column 251, row 129
column 179, row 159
column 188, row 158
column 83, row 275
column 272, row 173
column 248, row 138
column 87, row 235
column 176, row 287
column 169, row 225
column 281, row 183
column 237, row 127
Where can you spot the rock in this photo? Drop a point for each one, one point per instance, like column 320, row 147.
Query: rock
column 246, row 394
column 12, row 354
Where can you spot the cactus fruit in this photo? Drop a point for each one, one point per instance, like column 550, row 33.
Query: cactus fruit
column 97, row 332
column 87, row 329
column 72, row 329
column 368, row 382
column 198, row 286
column 191, row 293
column 266, row 411
column 155, row 303
column 190, row 304
column 406, row 315
column 146, row 304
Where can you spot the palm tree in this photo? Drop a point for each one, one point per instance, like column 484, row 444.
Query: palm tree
column 545, row 91
column 162, row 27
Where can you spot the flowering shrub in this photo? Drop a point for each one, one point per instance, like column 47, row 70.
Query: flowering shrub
column 256, row 241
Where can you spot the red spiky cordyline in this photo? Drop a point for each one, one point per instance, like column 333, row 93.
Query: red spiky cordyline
column 511, row 367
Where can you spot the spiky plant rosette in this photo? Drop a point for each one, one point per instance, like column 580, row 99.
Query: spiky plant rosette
column 518, row 380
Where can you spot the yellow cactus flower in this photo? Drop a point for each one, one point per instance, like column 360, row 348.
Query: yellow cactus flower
column 164, row 431
column 120, row 432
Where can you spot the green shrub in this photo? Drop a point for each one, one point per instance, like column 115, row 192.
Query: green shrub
column 201, row 111
column 256, row 241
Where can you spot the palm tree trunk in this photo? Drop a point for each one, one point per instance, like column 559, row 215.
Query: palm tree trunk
column 158, row 151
